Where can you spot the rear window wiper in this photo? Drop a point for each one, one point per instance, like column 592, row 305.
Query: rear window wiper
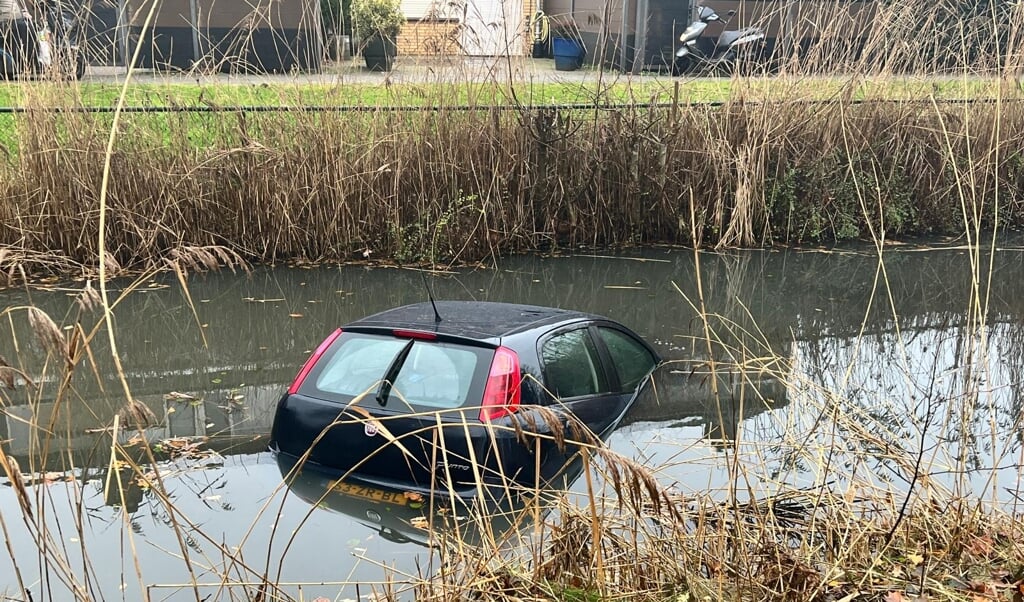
column 384, row 390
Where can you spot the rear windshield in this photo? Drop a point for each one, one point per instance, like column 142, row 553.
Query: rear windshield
column 433, row 376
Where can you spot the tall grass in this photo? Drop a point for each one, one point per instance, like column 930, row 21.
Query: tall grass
column 775, row 164
column 463, row 185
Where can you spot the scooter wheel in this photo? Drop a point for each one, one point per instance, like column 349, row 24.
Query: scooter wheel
column 79, row 66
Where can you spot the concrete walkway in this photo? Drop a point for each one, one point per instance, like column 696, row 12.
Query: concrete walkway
column 411, row 69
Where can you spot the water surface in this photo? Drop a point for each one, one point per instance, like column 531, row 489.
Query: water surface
column 904, row 349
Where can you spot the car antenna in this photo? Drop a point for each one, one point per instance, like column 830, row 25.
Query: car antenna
column 430, row 295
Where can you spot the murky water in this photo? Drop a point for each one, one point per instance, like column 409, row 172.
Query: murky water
column 819, row 334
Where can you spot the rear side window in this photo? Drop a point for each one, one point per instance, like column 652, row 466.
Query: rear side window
column 571, row 365
column 433, row 376
column 631, row 358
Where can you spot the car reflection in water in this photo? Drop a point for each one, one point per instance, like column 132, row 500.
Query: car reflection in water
column 404, row 516
column 688, row 394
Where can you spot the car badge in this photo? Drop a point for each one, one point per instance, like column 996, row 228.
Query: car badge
column 370, row 429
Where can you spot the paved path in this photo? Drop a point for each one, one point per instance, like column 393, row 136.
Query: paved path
column 407, row 70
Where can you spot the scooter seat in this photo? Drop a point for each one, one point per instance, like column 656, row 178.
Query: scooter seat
column 729, row 37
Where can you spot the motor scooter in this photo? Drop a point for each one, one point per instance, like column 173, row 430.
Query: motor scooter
column 55, row 42
column 727, row 48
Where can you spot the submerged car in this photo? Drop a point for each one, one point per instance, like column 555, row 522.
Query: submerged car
column 456, row 395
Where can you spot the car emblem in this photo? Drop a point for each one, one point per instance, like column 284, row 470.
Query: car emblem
column 370, row 429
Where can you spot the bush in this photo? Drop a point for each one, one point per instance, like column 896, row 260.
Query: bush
column 383, row 17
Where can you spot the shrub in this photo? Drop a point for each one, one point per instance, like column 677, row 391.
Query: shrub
column 381, row 17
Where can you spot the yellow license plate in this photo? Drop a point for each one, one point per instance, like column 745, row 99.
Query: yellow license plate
column 369, row 493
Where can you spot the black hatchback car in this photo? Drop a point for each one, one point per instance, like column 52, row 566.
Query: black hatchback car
column 446, row 397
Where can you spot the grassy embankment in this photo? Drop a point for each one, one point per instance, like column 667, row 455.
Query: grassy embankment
column 793, row 158
column 457, row 184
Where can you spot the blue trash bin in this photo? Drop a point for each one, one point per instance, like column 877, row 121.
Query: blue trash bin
column 568, row 54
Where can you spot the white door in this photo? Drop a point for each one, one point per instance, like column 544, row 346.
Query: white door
column 493, row 28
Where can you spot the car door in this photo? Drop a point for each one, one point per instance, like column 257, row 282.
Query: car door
column 628, row 362
column 575, row 375
column 630, row 359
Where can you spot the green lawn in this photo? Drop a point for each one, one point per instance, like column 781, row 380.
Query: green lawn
column 619, row 91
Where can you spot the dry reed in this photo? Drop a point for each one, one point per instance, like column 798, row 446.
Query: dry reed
column 445, row 185
column 418, row 188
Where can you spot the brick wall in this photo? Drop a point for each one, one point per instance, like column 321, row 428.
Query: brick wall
column 429, row 37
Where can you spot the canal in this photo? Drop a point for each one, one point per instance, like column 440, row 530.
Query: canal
column 808, row 368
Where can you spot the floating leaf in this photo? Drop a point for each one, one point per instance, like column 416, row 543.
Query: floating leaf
column 52, row 477
column 295, row 315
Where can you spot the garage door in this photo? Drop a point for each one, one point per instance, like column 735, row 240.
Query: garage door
column 493, row 28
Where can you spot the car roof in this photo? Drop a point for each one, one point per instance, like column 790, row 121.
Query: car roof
column 471, row 319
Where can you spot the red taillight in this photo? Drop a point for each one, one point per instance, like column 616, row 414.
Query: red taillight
column 501, row 394
column 414, row 334
column 313, row 359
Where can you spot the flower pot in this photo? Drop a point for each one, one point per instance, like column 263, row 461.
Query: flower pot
column 379, row 53
column 568, row 53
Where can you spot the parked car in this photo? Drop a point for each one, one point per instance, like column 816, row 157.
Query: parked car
column 460, row 394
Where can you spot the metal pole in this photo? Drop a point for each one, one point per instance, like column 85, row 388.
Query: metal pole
column 193, row 7
column 790, row 30
column 121, row 31
column 622, row 36
column 640, row 55
column 315, row 55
